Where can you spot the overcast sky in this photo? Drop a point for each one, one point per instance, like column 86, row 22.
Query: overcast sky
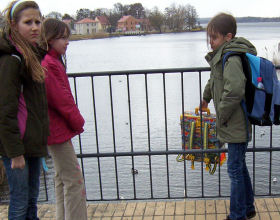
column 205, row 8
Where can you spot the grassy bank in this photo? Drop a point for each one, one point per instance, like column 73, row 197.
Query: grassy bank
column 92, row 36
column 118, row 34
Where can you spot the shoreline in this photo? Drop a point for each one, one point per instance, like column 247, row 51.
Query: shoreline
column 76, row 37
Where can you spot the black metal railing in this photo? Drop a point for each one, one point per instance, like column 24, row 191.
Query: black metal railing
column 158, row 182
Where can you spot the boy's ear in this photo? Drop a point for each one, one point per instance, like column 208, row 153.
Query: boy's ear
column 228, row 36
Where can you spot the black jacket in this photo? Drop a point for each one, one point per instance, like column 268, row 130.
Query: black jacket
column 13, row 74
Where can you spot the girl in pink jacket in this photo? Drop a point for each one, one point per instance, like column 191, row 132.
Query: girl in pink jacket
column 65, row 122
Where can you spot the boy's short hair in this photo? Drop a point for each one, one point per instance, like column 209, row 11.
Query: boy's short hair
column 222, row 23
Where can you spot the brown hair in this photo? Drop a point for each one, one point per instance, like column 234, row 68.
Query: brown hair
column 31, row 60
column 54, row 29
column 223, row 24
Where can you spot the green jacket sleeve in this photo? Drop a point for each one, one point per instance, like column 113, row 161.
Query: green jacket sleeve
column 207, row 92
column 234, row 82
column 10, row 84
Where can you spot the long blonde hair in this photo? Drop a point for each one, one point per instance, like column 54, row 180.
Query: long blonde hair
column 12, row 15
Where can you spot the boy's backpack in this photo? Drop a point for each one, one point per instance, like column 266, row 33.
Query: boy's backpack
column 262, row 92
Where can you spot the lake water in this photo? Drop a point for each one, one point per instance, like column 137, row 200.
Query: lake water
column 160, row 51
column 180, row 50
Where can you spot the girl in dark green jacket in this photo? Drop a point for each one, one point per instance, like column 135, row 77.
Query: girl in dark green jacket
column 23, row 114
column 227, row 89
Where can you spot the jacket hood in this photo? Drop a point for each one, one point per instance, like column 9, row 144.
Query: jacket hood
column 6, row 47
column 237, row 44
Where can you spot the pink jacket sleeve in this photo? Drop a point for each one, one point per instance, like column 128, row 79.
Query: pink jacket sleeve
column 60, row 98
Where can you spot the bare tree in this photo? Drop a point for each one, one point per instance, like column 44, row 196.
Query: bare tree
column 156, row 19
column 191, row 17
column 170, row 13
column 83, row 13
column 179, row 17
column 55, row 15
column 67, row 16
column 137, row 10
column 115, row 14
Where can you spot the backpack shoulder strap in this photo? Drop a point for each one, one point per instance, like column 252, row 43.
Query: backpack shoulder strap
column 229, row 54
column 13, row 55
column 16, row 56
column 225, row 58
column 19, row 59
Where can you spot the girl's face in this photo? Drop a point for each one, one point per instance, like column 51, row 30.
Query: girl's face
column 60, row 44
column 216, row 40
column 29, row 25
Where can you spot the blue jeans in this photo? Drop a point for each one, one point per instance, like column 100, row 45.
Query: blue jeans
column 24, row 187
column 241, row 194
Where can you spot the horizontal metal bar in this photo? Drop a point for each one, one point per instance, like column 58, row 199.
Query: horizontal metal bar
column 150, row 71
column 171, row 152
column 135, row 72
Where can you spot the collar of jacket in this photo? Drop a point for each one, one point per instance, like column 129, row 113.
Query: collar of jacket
column 53, row 53
column 215, row 56
column 6, row 46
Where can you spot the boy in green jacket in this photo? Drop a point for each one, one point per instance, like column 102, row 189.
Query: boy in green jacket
column 227, row 89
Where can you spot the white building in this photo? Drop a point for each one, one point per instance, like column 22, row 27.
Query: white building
column 86, row 26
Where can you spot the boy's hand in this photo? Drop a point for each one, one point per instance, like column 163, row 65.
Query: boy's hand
column 18, row 162
column 204, row 104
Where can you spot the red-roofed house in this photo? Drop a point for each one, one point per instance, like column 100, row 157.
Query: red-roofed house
column 86, row 26
column 127, row 23
column 145, row 24
column 103, row 23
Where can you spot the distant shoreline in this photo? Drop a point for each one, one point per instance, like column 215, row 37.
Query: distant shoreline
column 203, row 22
column 245, row 20
column 76, row 37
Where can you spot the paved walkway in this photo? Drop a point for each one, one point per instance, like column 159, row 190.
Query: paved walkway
column 267, row 208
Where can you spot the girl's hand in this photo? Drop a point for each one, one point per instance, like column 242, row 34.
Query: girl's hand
column 18, row 162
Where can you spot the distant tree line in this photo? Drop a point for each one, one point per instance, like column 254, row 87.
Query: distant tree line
column 175, row 17
column 257, row 19
column 245, row 19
